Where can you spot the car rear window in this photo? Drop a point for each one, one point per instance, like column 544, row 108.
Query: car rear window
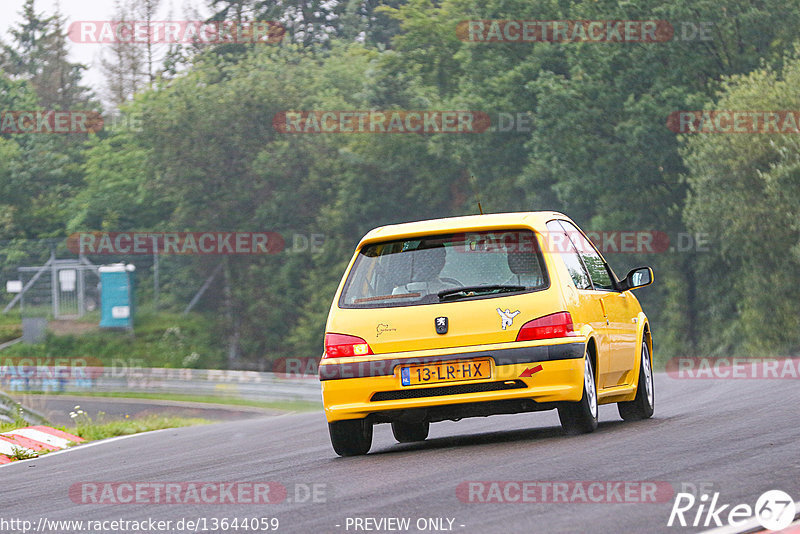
column 417, row 271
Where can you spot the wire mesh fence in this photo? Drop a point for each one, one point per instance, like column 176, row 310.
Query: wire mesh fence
column 61, row 289
column 45, row 278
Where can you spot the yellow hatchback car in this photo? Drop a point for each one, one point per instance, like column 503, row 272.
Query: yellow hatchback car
column 481, row 315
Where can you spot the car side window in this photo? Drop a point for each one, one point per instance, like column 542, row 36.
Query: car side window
column 558, row 243
column 598, row 272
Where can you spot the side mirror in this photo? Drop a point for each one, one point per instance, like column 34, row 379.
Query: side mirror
column 639, row 277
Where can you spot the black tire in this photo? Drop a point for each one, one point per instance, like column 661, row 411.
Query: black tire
column 642, row 406
column 352, row 437
column 409, row 432
column 581, row 417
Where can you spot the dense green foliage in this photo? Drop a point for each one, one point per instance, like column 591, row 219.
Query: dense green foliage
column 208, row 158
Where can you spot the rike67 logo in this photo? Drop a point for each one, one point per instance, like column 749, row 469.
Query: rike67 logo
column 774, row 510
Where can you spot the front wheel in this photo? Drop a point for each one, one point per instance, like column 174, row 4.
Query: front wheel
column 581, row 417
column 352, row 437
column 641, row 407
column 410, row 432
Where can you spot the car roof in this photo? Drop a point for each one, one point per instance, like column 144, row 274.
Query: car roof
column 469, row 223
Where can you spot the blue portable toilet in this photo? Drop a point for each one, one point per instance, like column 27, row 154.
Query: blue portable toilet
column 116, row 295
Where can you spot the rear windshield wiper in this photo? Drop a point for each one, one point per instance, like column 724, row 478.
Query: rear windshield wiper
column 470, row 291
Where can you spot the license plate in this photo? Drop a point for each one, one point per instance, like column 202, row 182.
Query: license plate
column 435, row 373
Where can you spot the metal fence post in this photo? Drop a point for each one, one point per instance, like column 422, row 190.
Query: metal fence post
column 54, row 283
column 155, row 280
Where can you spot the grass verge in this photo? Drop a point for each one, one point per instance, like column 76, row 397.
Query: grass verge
column 18, row 422
column 288, row 406
column 10, row 326
column 92, row 430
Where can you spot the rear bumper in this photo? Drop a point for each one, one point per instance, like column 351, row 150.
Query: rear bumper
column 361, row 387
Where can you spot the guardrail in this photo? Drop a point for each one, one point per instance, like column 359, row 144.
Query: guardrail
column 250, row 385
column 10, row 410
column 9, row 343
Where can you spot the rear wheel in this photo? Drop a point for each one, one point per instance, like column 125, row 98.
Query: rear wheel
column 641, row 407
column 581, row 417
column 352, row 437
column 408, row 432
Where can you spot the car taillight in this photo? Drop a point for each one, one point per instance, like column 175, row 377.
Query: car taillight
column 341, row 346
column 554, row 325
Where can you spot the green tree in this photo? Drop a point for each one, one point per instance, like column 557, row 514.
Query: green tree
column 745, row 195
column 38, row 53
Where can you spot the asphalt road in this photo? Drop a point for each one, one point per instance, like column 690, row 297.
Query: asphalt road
column 736, row 437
